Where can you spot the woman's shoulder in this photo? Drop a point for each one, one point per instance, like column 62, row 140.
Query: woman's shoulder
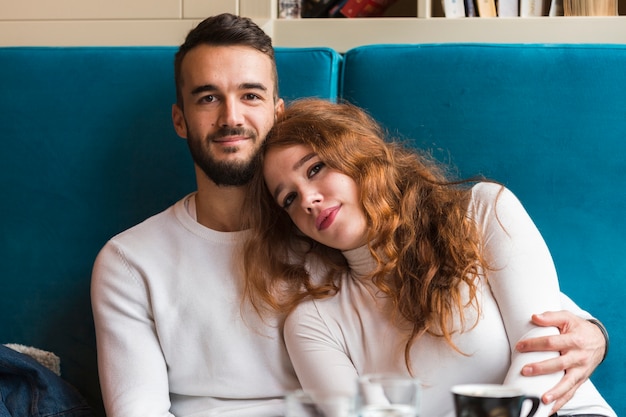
column 487, row 198
column 487, row 191
column 325, row 308
column 492, row 193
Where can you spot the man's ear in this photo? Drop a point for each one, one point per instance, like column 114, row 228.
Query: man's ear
column 178, row 118
column 279, row 108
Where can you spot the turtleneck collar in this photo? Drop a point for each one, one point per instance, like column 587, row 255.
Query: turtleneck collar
column 360, row 261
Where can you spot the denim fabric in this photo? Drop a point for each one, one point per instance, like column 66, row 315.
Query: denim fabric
column 28, row 389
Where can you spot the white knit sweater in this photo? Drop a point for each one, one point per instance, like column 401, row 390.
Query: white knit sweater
column 171, row 339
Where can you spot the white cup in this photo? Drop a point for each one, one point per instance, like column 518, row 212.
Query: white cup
column 388, row 395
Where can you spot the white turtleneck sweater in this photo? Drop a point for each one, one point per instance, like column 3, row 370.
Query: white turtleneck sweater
column 172, row 335
column 332, row 341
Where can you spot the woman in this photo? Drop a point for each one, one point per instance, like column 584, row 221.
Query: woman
column 399, row 269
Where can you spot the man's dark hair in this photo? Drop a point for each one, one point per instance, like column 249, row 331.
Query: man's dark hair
column 224, row 30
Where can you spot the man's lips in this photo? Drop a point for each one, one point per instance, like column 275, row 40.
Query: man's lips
column 326, row 217
column 228, row 136
column 229, row 139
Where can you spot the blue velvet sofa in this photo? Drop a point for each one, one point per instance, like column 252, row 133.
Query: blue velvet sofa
column 88, row 150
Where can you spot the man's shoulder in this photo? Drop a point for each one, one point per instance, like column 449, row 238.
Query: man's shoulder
column 153, row 230
column 144, row 241
column 148, row 227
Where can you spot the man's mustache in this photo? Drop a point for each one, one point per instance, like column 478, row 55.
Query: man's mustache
column 232, row 131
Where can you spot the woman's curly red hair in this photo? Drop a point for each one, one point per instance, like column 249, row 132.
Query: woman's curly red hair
column 420, row 234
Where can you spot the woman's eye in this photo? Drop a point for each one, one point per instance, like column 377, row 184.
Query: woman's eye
column 316, row 168
column 288, row 200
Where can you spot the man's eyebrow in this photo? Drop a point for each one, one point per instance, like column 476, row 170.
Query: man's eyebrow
column 203, row 89
column 253, row 86
column 210, row 88
column 297, row 165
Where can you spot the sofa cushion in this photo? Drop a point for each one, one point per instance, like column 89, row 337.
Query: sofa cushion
column 548, row 121
column 88, row 150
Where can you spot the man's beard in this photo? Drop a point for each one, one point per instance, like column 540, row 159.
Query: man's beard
column 223, row 173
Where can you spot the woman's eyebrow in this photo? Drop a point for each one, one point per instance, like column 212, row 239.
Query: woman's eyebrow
column 296, row 166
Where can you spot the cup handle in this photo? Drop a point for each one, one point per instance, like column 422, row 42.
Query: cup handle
column 536, row 402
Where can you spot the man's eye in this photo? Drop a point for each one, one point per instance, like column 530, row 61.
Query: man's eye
column 251, row 96
column 208, row 99
column 288, row 200
column 316, row 168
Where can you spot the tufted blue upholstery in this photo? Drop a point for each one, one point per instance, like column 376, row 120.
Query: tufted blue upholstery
column 548, row 121
column 87, row 149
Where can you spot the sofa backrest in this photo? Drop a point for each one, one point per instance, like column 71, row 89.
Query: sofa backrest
column 88, row 150
column 548, row 121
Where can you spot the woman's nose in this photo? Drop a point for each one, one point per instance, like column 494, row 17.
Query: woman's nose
column 311, row 198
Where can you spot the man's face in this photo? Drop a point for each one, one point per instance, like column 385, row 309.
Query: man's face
column 229, row 107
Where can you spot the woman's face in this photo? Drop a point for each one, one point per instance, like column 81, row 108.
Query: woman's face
column 322, row 202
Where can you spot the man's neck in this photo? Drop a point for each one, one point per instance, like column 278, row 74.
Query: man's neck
column 220, row 208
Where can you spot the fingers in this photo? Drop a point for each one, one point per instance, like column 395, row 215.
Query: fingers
column 562, row 319
column 576, row 364
column 561, row 401
column 576, row 372
column 545, row 344
column 563, row 391
column 546, row 367
column 580, row 344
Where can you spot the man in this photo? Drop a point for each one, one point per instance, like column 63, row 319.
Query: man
column 174, row 336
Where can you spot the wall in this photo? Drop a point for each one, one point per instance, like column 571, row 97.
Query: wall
column 103, row 22
column 141, row 22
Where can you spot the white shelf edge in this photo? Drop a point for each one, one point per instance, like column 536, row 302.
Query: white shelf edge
column 344, row 34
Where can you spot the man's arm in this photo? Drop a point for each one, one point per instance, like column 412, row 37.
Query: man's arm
column 583, row 343
column 132, row 370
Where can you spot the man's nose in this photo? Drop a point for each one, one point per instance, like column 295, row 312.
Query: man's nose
column 231, row 114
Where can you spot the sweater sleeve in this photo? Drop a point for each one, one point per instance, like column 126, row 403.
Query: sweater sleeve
column 132, row 369
column 522, row 279
column 318, row 358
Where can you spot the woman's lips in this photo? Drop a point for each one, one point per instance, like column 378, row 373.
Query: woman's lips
column 326, row 217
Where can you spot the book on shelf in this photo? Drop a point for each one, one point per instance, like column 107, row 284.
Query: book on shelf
column 486, row 8
column 531, row 8
column 470, row 8
column 365, row 8
column 508, row 8
column 335, row 11
column 317, row 8
column 453, row 8
column 590, row 7
column 556, row 8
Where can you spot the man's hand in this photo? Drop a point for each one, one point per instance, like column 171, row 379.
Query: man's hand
column 581, row 344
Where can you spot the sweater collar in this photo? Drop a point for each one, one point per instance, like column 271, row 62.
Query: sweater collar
column 360, row 261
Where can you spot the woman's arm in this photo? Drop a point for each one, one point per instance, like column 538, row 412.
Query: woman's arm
column 523, row 279
column 318, row 359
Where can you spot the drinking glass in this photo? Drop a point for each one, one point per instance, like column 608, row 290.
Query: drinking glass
column 388, row 395
column 302, row 403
